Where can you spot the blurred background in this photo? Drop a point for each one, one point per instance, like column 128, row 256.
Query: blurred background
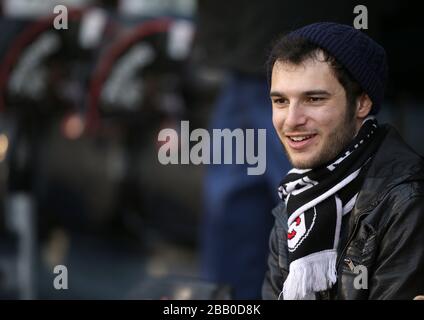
column 80, row 112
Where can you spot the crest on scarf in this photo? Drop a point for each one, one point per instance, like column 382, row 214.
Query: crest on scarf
column 299, row 230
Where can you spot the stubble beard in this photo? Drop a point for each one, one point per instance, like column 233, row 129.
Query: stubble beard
column 336, row 142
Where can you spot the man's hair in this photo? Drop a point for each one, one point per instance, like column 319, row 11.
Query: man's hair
column 296, row 50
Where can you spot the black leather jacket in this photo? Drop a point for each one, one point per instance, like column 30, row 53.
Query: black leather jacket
column 384, row 232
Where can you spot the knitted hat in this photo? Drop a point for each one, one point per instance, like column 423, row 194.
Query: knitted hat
column 359, row 54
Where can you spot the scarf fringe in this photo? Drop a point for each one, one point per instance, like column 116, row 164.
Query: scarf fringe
column 310, row 274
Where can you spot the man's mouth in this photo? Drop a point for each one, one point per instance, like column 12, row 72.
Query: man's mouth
column 299, row 142
column 300, row 138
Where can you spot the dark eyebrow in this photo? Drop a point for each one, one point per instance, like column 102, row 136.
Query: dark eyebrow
column 276, row 94
column 317, row 92
column 306, row 93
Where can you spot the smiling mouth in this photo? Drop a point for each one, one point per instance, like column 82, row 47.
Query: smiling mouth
column 299, row 142
column 301, row 138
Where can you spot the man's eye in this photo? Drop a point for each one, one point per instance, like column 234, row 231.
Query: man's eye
column 315, row 99
column 280, row 101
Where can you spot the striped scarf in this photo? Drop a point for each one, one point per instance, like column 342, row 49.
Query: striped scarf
column 316, row 200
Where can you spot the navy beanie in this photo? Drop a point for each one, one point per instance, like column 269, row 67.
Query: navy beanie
column 364, row 58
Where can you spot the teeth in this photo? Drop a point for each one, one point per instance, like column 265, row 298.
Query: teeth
column 300, row 138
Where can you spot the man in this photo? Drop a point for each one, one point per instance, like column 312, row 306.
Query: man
column 351, row 223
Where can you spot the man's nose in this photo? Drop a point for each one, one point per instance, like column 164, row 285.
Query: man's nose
column 295, row 116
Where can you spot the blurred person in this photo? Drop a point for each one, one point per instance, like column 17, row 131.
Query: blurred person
column 236, row 221
column 351, row 222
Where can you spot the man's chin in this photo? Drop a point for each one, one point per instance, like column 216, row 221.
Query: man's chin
column 306, row 163
column 302, row 159
column 300, row 163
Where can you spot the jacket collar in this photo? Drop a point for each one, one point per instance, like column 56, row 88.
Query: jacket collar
column 394, row 163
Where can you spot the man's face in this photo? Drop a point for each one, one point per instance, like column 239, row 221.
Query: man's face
column 310, row 113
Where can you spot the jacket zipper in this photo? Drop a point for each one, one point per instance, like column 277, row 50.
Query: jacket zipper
column 348, row 261
column 350, row 240
column 350, row 264
column 356, row 226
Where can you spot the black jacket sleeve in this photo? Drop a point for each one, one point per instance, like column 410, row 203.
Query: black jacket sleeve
column 399, row 271
column 277, row 271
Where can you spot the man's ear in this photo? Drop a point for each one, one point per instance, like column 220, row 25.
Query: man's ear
column 363, row 106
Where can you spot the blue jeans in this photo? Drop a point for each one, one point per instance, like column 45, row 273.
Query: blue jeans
column 237, row 216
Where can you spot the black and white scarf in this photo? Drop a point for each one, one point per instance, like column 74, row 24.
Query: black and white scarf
column 316, row 200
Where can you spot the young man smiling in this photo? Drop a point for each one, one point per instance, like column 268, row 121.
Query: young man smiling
column 355, row 195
